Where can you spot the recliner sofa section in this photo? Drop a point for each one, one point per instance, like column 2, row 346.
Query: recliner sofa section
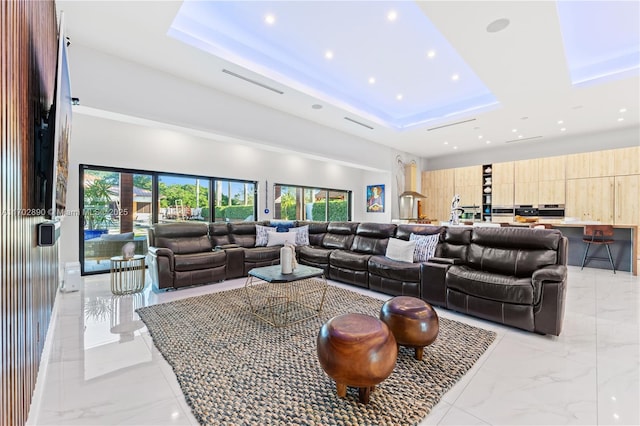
column 181, row 255
column 512, row 276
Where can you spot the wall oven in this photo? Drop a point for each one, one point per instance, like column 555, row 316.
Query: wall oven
column 502, row 214
column 526, row 210
column 551, row 211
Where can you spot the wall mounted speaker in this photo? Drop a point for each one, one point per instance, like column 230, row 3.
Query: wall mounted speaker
column 48, row 233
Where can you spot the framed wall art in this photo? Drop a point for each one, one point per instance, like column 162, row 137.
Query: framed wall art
column 375, row 198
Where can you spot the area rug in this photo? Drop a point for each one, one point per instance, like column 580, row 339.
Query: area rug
column 236, row 370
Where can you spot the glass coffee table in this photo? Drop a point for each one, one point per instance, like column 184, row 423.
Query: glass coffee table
column 284, row 299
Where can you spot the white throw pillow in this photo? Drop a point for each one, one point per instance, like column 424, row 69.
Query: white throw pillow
column 425, row 246
column 302, row 235
column 279, row 238
column 400, row 250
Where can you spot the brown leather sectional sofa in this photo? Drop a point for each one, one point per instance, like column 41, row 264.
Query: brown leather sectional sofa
column 514, row 276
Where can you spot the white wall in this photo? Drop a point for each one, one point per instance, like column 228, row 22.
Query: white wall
column 105, row 142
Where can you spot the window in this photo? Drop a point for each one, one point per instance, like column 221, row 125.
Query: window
column 118, row 205
column 304, row 203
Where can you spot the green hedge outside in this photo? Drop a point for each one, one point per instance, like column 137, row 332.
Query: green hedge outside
column 233, row 212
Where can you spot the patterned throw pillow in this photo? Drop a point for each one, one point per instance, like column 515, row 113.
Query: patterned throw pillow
column 302, row 235
column 425, row 246
column 262, row 236
column 400, row 250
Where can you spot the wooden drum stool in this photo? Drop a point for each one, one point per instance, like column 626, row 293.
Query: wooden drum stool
column 356, row 350
column 413, row 322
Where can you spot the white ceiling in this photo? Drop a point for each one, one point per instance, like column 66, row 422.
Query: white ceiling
column 524, row 66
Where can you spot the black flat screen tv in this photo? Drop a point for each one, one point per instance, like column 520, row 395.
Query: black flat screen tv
column 52, row 148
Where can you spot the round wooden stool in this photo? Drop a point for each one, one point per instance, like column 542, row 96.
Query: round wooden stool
column 356, row 350
column 413, row 322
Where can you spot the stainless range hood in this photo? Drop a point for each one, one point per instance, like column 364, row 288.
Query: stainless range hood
column 408, row 199
column 413, row 194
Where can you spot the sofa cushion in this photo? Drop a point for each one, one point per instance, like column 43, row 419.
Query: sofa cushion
column 316, row 231
column 302, row 235
column 382, row 266
column 372, row 238
column 316, row 255
column 425, row 246
column 405, row 230
column 349, row 260
column 261, row 254
column 195, row 261
column 185, row 245
column 280, row 238
column 243, row 233
column 491, row 286
column 454, row 243
column 219, row 234
column 400, row 250
column 509, row 261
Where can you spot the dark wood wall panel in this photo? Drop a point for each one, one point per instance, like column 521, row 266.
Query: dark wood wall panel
column 28, row 273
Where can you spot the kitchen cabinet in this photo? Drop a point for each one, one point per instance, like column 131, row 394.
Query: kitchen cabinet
column 437, row 185
column 526, row 171
column 502, row 173
column 627, row 200
column 590, row 199
column 502, row 195
column 551, row 192
column 525, row 193
column 467, row 176
column 551, row 168
column 627, row 161
column 590, row 164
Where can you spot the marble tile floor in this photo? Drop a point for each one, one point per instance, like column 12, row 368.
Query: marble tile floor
column 100, row 366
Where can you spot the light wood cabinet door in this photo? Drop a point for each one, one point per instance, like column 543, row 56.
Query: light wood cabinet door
column 590, row 199
column 470, row 195
column 551, row 168
column 525, row 193
column 444, row 179
column 627, row 161
column 602, row 163
column 502, row 173
column 526, row 171
column 577, row 165
column 627, row 200
column 502, row 195
column 467, row 176
column 551, row 192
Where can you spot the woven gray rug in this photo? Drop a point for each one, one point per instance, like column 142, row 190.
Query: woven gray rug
column 236, row 370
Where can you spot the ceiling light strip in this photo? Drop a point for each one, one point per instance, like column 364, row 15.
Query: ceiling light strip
column 523, row 139
column 451, row 124
column 357, row 122
column 257, row 83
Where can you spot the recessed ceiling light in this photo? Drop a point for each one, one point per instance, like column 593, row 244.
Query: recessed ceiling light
column 622, row 110
column 514, row 130
column 455, row 147
column 519, row 136
column 372, row 80
column 270, row 19
column 316, row 106
column 563, row 129
column 498, row 25
column 560, row 121
column 446, row 143
column 431, row 54
column 488, row 142
column 328, row 54
column 455, row 77
column 392, row 15
column 480, row 136
column 399, row 96
column 621, row 119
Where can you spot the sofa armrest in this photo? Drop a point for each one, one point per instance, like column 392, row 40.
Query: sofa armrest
column 161, row 263
column 550, row 283
column 433, row 288
column 552, row 273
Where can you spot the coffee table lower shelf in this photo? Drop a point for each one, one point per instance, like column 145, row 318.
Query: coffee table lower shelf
column 285, row 303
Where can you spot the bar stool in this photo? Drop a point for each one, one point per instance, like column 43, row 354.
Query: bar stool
column 598, row 234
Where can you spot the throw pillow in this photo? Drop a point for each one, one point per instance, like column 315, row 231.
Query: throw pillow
column 261, row 235
column 425, row 246
column 302, row 235
column 400, row 250
column 282, row 225
column 279, row 238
